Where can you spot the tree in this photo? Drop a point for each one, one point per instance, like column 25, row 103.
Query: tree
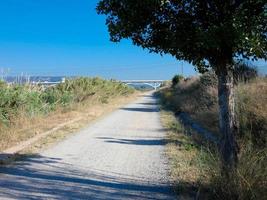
column 207, row 33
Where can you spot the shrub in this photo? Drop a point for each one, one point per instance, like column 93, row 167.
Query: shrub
column 176, row 79
column 244, row 72
column 209, row 79
column 35, row 100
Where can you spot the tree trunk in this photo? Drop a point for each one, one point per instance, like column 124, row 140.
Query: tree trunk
column 228, row 145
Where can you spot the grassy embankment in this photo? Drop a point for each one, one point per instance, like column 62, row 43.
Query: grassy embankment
column 27, row 110
column 195, row 163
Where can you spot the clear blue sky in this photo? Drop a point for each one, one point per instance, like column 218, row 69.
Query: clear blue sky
column 67, row 37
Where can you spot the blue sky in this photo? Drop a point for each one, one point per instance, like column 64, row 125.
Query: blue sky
column 67, row 37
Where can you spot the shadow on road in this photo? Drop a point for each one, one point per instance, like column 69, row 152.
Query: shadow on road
column 134, row 141
column 141, row 109
column 39, row 177
column 149, row 96
column 148, row 104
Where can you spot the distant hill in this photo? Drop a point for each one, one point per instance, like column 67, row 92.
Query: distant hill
column 24, row 79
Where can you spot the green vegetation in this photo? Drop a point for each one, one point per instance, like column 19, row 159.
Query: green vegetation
column 176, row 79
column 198, row 97
column 31, row 101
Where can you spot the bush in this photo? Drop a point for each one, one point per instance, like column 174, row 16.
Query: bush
column 244, row 72
column 35, row 100
column 209, row 79
column 176, row 79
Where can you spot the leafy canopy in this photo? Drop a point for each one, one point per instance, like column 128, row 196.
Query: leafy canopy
column 207, row 33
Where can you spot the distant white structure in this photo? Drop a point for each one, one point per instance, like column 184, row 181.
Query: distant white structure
column 152, row 83
column 49, row 83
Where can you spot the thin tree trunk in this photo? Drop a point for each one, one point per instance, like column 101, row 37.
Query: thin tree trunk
column 228, row 145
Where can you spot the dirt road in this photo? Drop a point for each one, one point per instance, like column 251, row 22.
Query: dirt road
column 118, row 157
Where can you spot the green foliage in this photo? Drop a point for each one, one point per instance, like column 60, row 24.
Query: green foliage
column 176, row 79
column 35, row 100
column 205, row 33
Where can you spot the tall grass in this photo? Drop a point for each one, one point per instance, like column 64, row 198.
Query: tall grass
column 198, row 97
column 251, row 101
column 247, row 181
column 31, row 101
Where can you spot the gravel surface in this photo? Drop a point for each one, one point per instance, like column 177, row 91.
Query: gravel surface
column 118, row 157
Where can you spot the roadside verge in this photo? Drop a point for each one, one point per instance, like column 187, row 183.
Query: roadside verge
column 67, row 124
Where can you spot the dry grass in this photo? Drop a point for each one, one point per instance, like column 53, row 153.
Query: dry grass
column 246, row 182
column 203, row 173
column 197, row 98
column 89, row 110
column 252, row 111
column 182, row 153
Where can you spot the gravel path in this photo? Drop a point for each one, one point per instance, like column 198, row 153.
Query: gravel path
column 118, row 157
